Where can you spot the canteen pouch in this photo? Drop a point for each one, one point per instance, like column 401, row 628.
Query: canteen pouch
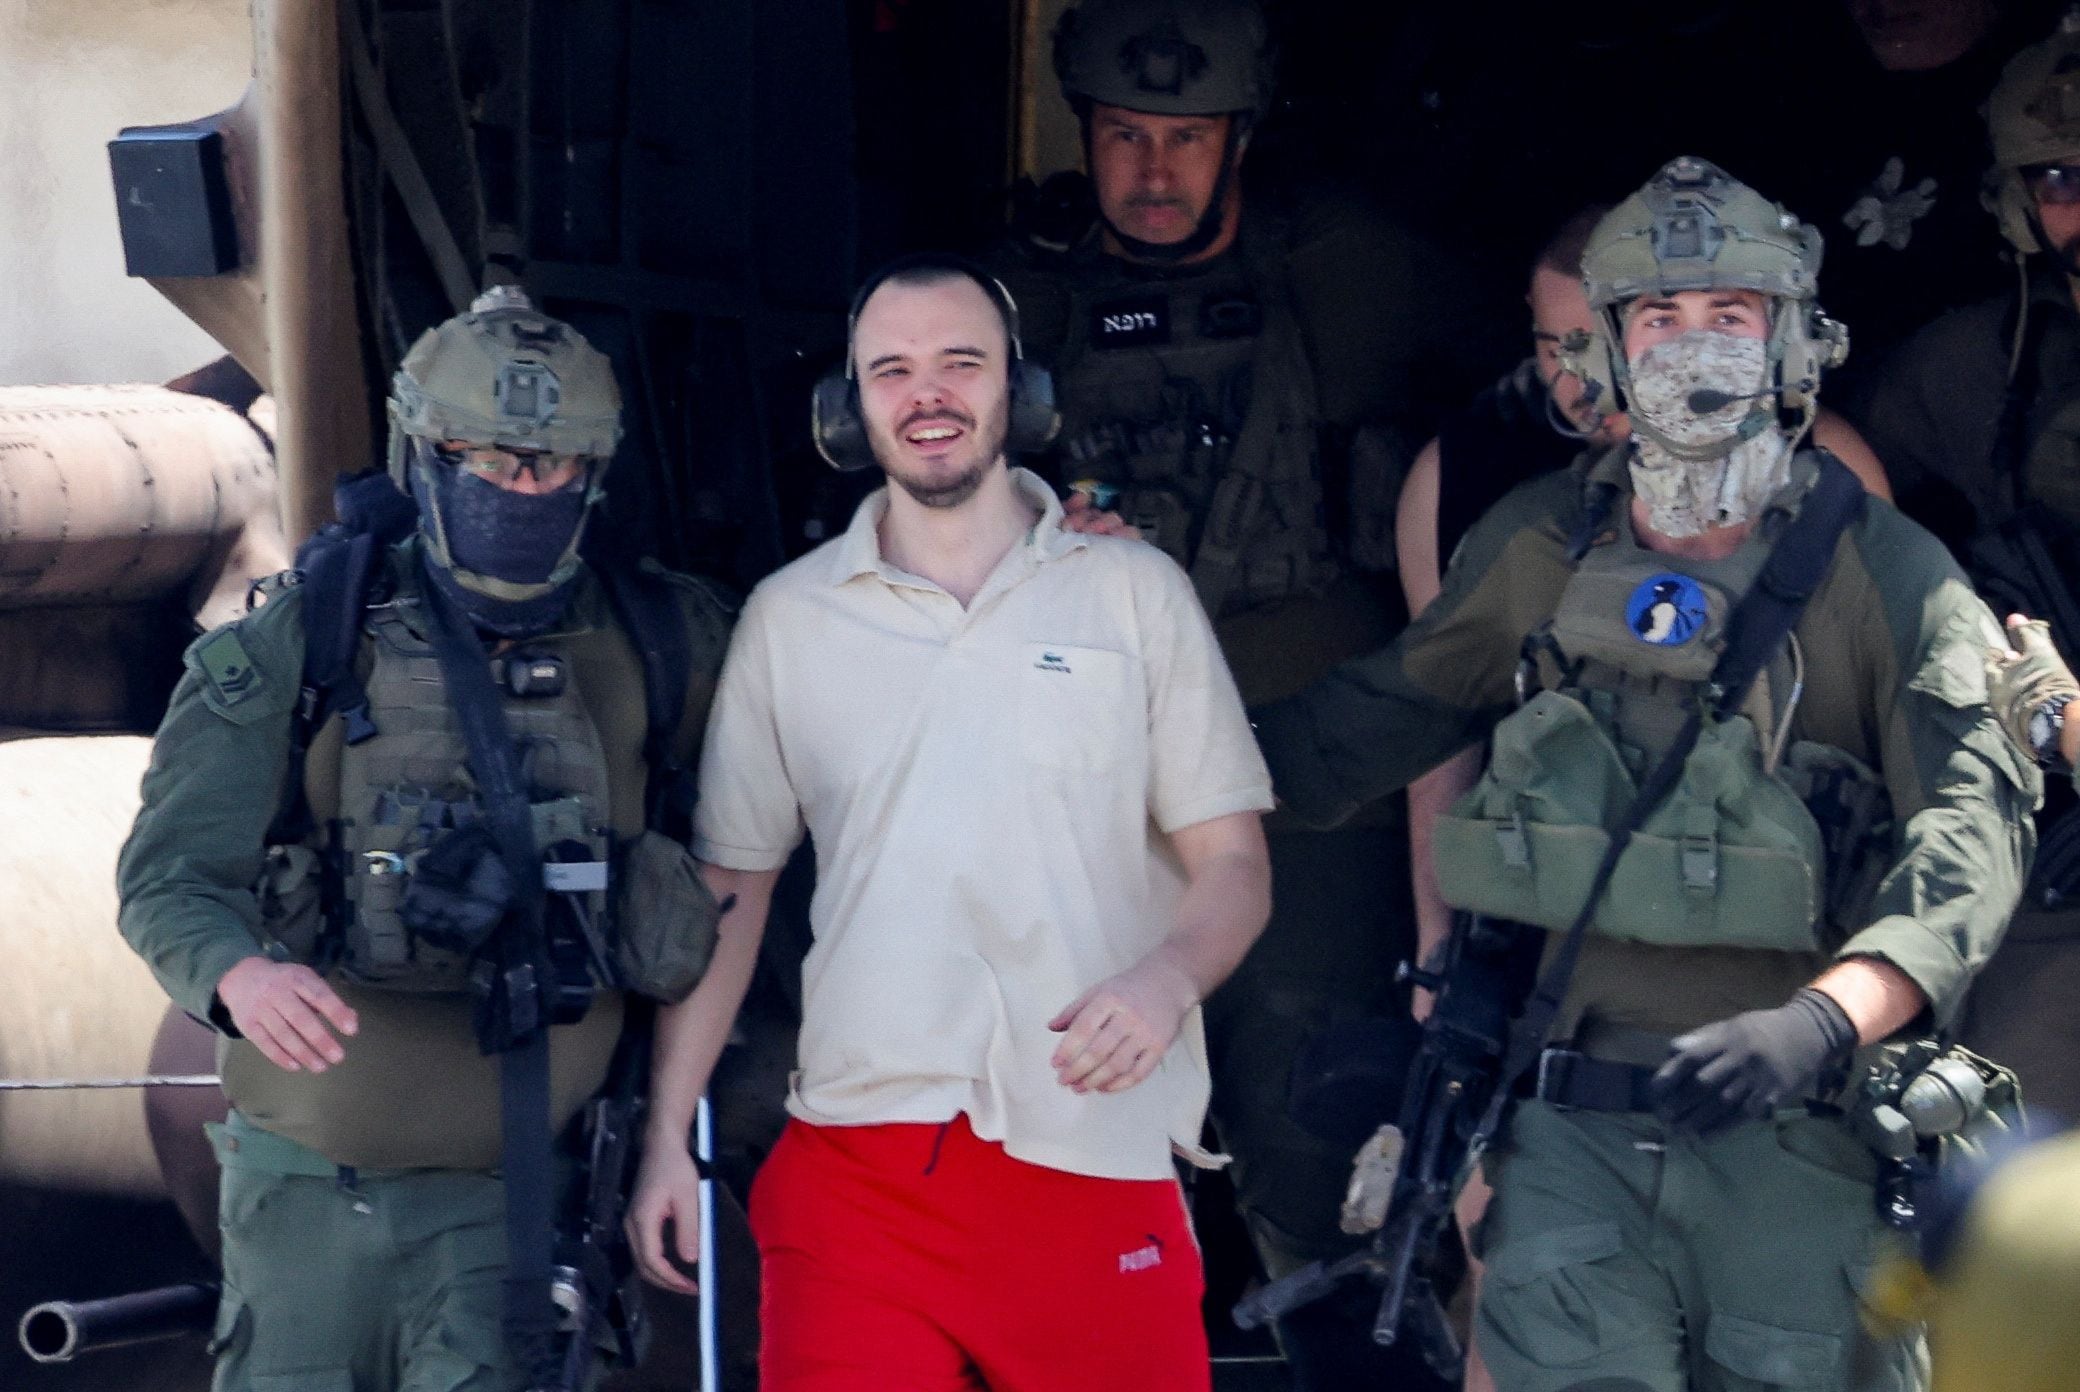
column 291, row 895
column 666, row 920
column 1731, row 858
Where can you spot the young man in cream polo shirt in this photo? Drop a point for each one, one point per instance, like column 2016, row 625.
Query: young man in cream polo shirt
column 1035, row 802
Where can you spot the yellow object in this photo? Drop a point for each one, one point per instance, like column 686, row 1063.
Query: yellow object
column 2006, row 1313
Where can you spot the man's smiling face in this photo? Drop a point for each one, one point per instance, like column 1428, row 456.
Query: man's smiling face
column 933, row 361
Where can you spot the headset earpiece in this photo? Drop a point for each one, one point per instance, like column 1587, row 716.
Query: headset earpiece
column 836, row 425
column 1035, row 419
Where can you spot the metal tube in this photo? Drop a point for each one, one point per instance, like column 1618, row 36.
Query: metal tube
column 58, row 1331
column 710, row 1296
column 132, row 495
column 82, row 1084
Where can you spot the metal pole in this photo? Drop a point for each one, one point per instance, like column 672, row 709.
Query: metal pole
column 710, row 1296
column 81, row 1084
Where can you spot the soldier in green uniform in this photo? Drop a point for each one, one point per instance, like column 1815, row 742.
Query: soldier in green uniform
column 1675, row 1207
column 322, row 890
column 1244, row 386
column 1979, row 417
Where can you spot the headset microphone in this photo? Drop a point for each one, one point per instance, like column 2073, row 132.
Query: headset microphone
column 1705, row 400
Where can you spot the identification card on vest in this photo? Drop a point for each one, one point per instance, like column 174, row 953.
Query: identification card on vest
column 1138, row 321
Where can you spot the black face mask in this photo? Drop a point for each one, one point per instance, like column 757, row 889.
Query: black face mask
column 502, row 535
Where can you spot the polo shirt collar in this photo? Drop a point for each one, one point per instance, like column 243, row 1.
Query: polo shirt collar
column 859, row 549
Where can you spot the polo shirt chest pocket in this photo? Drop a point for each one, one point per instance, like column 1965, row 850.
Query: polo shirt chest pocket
column 1078, row 708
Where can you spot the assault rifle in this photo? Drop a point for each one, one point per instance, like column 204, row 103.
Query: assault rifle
column 594, row 1282
column 1417, row 1164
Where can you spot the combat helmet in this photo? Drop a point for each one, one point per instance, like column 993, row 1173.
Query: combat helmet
column 505, row 375
column 1168, row 57
column 2033, row 118
column 1693, row 226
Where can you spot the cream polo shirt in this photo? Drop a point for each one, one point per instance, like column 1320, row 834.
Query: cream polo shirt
column 988, row 791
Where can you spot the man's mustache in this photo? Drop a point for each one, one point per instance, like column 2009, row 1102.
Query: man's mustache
column 948, row 416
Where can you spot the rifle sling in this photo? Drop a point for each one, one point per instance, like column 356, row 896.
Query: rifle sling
column 521, row 954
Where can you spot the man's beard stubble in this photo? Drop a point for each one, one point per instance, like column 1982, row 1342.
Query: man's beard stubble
column 952, row 492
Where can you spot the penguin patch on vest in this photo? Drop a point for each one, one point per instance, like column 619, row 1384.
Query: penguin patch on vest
column 1139, row 321
column 1666, row 610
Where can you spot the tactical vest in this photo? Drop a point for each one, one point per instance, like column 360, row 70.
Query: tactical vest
column 574, row 705
column 1189, row 402
column 1765, row 842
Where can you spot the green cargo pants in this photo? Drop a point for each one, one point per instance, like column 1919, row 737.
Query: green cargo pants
column 1625, row 1257
column 356, row 1281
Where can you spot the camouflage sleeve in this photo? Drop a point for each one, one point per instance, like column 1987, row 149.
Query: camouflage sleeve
column 185, row 877
column 1378, row 722
column 1962, row 795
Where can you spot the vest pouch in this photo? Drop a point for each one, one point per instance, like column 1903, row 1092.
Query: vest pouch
column 1849, row 803
column 665, row 920
column 1731, row 858
column 291, row 895
column 379, row 949
column 1625, row 607
column 1524, row 843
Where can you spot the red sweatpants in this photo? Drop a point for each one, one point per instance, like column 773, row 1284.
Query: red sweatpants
column 918, row 1258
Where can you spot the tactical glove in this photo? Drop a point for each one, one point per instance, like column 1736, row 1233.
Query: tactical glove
column 1752, row 1064
column 2022, row 683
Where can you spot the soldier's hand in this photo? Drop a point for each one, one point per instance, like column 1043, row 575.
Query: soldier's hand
column 1752, row 1064
column 288, row 1012
column 1080, row 515
column 1115, row 1034
column 2024, row 677
column 668, row 1191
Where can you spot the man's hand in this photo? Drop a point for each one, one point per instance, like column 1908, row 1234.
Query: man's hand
column 1752, row 1064
column 1116, row 1033
column 1080, row 515
column 668, row 1190
column 285, row 1010
column 2023, row 678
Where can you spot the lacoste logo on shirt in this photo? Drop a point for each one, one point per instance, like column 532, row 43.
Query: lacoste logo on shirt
column 1052, row 662
column 1142, row 1258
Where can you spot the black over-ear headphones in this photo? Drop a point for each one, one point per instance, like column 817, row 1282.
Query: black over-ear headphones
column 835, row 422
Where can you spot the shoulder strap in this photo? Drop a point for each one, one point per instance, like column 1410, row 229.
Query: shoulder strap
column 338, row 566
column 513, row 1003
column 1798, row 561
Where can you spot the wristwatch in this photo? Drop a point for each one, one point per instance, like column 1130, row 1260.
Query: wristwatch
column 2045, row 723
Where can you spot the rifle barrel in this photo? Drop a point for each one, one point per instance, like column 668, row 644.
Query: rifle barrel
column 58, row 1331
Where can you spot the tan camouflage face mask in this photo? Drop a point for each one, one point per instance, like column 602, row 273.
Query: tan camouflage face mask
column 1686, row 496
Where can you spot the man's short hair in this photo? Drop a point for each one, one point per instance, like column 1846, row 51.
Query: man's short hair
column 927, row 268
column 1562, row 252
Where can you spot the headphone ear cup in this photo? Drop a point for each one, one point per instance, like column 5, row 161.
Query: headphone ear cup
column 1034, row 418
column 835, row 423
